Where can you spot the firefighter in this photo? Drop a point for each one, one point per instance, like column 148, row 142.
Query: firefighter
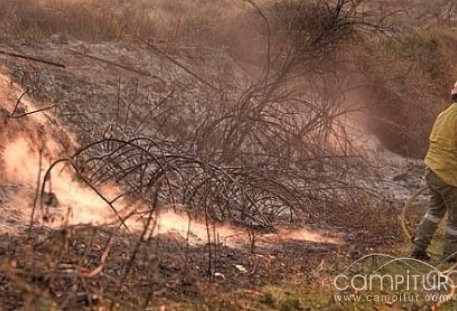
column 441, row 179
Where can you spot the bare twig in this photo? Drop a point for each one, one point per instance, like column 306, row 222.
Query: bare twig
column 32, row 58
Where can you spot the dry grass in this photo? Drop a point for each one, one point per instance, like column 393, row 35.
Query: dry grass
column 421, row 76
column 106, row 20
column 247, row 153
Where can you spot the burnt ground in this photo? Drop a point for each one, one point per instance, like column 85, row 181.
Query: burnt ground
column 44, row 268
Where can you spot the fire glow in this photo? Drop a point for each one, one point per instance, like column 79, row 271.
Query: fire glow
column 27, row 153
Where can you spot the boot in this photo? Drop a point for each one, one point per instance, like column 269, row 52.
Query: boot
column 419, row 253
column 423, row 237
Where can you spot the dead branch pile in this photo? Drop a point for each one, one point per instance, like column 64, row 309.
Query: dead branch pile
column 254, row 154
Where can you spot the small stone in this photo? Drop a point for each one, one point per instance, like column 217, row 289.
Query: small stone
column 219, row 275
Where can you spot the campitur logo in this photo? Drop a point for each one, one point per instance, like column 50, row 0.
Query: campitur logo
column 411, row 281
column 380, row 277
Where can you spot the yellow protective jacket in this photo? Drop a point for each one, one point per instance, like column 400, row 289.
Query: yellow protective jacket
column 441, row 157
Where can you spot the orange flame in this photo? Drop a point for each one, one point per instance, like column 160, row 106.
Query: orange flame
column 23, row 162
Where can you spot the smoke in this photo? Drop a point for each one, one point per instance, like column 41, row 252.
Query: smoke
column 78, row 204
column 30, row 144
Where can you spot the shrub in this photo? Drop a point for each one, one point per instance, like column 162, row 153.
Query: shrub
column 410, row 77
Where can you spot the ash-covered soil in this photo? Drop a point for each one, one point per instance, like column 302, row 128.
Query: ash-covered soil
column 49, row 267
column 113, row 90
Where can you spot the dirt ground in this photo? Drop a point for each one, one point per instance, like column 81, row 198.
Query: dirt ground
column 74, row 268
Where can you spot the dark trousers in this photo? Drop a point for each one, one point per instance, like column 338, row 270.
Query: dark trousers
column 443, row 198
